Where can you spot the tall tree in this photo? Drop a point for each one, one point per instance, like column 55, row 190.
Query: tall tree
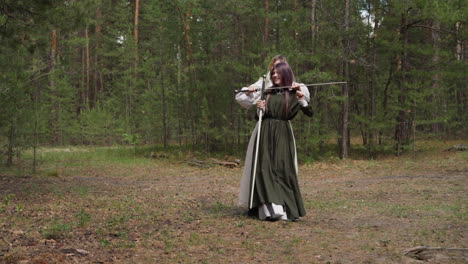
column 345, row 90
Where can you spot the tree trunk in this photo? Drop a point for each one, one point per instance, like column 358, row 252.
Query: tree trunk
column 83, row 79
column 385, row 97
column 11, row 144
column 461, row 96
column 373, row 83
column 345, row 89
column 459, row 50
column 404, row 123
column 164, row 115
column 135, row 36
column 314, row 24
column 179, row 93
column 295, row 33
column 97, row 79
column 36, row 126
column 185, row 20
column 435, row 35
column 87, row 68
column 267, row 22
column 53, row 103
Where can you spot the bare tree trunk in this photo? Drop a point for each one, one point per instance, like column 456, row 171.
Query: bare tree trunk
column 435, row 35
column 36, row 127
column 460, row 47
column 87, row 67
column 185, row 18
column 135, row 35
column 404, row 123
column 179, row 84
column 96, row 75
column 314, row 24
column 267, row 22
column 295, row 33
column 462, row 95
column 163, row 98
column 53, row 103
column 83, row 79
column 345, row 89
column 11, row 144
column 373, row 82
column 164, row 115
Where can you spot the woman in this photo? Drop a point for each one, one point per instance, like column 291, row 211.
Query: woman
column 276, row 190
column 252, row 93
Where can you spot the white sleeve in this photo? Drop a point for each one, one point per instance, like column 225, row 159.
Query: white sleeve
column 302, row 102
column 247, row 101
column 305, row 91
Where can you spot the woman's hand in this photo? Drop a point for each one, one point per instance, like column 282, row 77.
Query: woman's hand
column 251, row 90
column 295, row 86
column 299, row 95
column 261, row 104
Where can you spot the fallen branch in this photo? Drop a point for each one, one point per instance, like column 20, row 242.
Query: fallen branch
column 157, row 155
column 426, row 253
column 458, row 147
column 228, row 164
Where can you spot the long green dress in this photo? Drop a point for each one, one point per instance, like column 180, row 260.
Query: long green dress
column 276, row 176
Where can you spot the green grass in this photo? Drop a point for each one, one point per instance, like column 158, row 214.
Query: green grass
column 83, row 218
column 465, row 155
column 57, row 229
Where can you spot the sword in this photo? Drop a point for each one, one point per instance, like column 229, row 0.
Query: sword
column 284, row 87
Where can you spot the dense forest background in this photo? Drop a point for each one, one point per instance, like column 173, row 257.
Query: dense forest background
column 163, row 72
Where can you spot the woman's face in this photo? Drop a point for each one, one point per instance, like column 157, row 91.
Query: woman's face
column 276, row 78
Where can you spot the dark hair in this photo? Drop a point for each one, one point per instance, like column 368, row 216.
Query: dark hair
column 284, row 70
column 287, row 78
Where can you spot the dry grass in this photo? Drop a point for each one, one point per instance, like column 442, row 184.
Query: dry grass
column 163, row 211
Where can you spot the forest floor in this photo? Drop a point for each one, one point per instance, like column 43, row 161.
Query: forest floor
column 96, row 205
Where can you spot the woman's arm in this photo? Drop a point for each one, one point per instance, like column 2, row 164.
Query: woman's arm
column 247, row 99
column 305, row 105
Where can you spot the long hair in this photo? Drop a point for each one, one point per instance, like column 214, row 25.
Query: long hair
column 284, row 70
column 287, row 78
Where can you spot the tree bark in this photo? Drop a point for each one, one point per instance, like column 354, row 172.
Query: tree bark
column 135, row 36
column 11, row 144
column 267, row 22
column 459, row 47
column 53, row 103
column 404, row 122
column 295, row 33
column 185, row 17
column 179, row 93
column 373, row 84
column 435, row 35
column 164, row 115
column 87, row 68
column 36, row 126
column 97, row 79
column 83, row 80
column 345, row 89
column 314, row 24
